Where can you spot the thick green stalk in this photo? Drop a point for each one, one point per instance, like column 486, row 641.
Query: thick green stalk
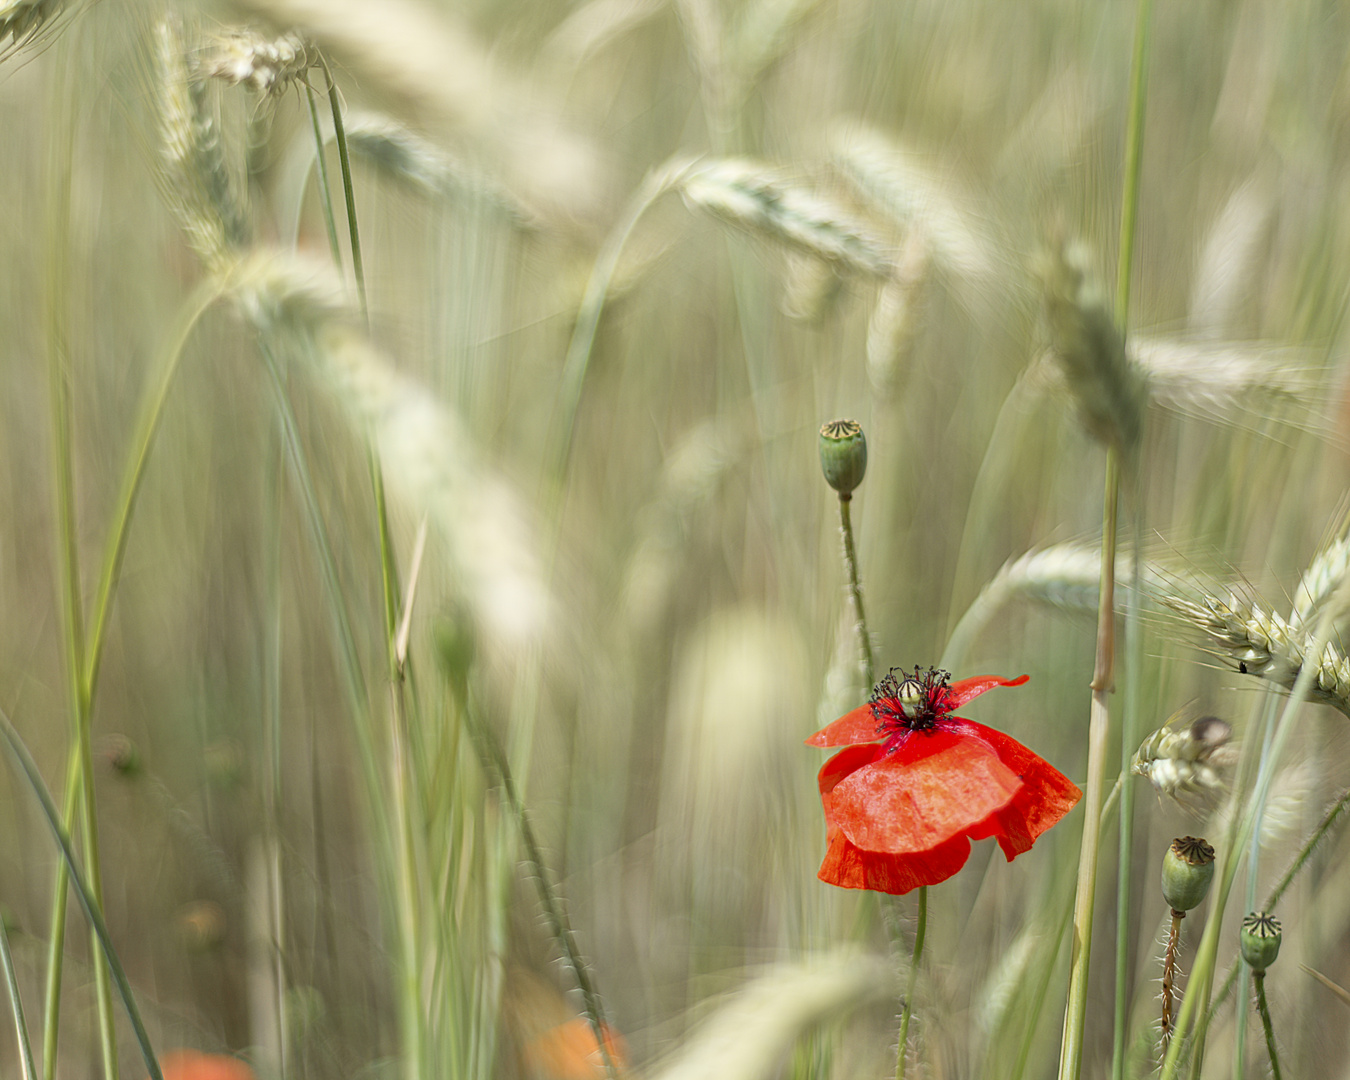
column 1099, row 722
column 1129, row 210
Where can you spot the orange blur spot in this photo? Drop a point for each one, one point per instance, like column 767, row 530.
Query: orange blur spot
column 192, row 1065
column 570, row 1052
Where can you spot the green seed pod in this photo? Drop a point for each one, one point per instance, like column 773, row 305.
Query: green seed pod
column 843, row 455
column 1260, row 940
column 1188, row 868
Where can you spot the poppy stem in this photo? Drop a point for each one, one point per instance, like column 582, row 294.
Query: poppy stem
column 855, row 591
column 1259, row 981
column 921, row 925
column 1169, row 977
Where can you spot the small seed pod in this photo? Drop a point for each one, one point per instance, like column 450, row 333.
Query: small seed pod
column 1260, row 940
column 843, row 455
column 1188, row 868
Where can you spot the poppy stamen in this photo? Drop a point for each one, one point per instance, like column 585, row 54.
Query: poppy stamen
column 911, row 702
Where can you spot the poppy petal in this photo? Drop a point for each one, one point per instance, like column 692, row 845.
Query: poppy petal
column 850, row 867
column 965, row 689
column 840, row 767
column 930, row 788
column 1044, row 796
column 858, row 726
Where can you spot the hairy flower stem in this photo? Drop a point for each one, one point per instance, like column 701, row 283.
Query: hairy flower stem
column 1169, row 976
column 1099, row 721
column 1259, row 981
column 494, row 763
column 855, row 590
column 920, row 927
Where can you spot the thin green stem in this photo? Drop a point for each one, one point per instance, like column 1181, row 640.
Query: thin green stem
column 1259, row 980
column 273, row 794
column 1249, row 898
column 1099, row 722
column 113, row 551
column 16, row 1005
column 920, row 927
column 404, row 800
column 349, row 662
column 56, row 939
column 58, row 362
column 344, row 159
column 1134, row 155
column 855, row 591
column 321, row 166
column 656, row 184
column 19, row 752
column 1129, row 739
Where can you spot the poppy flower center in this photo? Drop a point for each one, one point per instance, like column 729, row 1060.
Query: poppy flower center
column 904, row 702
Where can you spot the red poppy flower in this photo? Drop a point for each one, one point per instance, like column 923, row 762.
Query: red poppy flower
column 901, row 812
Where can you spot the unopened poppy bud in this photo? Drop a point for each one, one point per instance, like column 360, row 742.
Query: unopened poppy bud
column 1188, row 868
column 1260, row 940
column 843, row 455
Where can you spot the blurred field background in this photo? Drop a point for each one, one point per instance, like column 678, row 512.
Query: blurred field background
column 771, row 213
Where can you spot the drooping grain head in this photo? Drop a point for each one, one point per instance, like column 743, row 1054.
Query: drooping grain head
column 1260, row 643
column 753, row 197
column 269, row 66
column 195, row 175
column 1191, row 763
column 24, row 20
column 1110, row 390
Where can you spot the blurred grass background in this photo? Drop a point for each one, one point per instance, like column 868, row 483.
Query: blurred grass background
column 660, row 620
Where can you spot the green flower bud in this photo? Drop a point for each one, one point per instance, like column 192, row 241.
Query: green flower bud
column 843, row 455
column 1260, row 940
column 1188, row 868
column 455, row 649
